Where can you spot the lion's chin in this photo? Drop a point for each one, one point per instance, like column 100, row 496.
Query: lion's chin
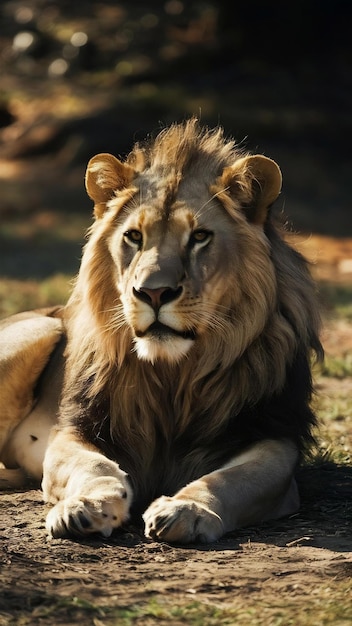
column 168, row 348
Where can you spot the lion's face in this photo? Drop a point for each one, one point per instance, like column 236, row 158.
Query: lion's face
column 179, row 249
column 172, row 274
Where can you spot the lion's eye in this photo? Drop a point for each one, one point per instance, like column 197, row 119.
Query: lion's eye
column 133, row 236
column 200, row 236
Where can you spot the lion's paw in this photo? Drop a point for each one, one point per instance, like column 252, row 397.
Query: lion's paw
column 93, row 512
column 181, row 521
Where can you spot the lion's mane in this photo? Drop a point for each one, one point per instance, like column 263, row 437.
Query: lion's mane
column 245, row 379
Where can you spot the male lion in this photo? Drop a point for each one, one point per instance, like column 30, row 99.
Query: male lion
column 189, row 336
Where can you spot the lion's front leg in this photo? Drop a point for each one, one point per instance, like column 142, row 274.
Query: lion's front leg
column 90, row 493
column 182, row 518
column 255, row 485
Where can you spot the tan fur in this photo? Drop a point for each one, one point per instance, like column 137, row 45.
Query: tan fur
column 27, row 340
column 188, row 311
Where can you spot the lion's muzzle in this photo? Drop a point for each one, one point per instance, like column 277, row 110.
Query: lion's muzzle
column 158, row 332
column 157, row 297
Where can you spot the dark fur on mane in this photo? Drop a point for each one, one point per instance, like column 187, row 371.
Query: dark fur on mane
column 176, row 461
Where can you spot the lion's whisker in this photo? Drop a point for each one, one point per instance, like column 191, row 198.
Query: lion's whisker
column 215, row 195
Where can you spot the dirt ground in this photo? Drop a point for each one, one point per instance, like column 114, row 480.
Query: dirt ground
column 295, row 560
column 290, row 560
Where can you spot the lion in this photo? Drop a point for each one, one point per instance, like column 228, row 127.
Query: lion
column 190, row 335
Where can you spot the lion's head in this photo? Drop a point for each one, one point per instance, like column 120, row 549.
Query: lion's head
column 183, row 264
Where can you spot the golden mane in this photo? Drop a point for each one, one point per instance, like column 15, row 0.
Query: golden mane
column 245, row 356
column 181, row 146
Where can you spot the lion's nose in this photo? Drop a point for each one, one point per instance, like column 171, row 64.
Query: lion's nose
column 157, row 297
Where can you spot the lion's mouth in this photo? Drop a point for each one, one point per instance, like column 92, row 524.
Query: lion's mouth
column 160, row 331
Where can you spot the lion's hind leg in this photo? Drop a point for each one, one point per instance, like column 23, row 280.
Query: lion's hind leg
column 26, row 446
column 27, row 343
column 12, row 478
column 90, row 493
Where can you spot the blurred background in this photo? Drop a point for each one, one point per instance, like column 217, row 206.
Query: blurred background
column 81, row 77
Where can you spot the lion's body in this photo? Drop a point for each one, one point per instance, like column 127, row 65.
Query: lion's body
column 189, row 330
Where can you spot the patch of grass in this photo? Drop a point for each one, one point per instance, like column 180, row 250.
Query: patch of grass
column 337, row 367
column 328, row 604
column 23, row 295
column 333, row 405
column 337, row 299
column 46, row 224
column 334, row 410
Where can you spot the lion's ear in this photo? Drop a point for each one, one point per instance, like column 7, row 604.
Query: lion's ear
column 255, row 181
column 106, row 174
